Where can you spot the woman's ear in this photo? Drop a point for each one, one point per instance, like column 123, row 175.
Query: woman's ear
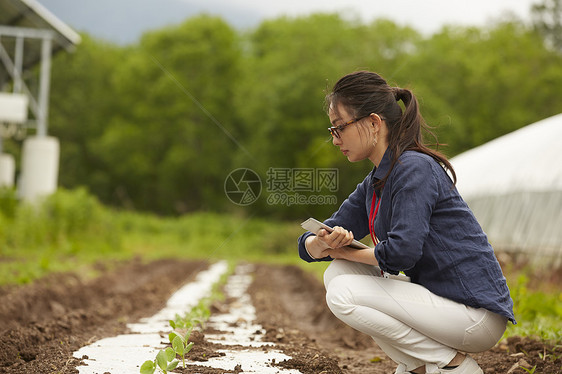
column 375, row 121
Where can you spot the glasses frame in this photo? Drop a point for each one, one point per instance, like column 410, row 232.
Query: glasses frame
column 335, row 130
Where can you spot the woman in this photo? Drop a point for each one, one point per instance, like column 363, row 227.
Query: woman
column 457, row 300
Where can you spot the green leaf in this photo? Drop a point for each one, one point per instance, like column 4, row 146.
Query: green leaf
column 162, row 360
column 171, row 336
column 178, row 346
column 172, row 324
column 188, row 333
column 148, row 367
column 172, row 365
column 188, row 348
column 170, row 354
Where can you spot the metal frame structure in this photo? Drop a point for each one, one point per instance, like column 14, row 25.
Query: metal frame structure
column 22, row 24
column 40, row 106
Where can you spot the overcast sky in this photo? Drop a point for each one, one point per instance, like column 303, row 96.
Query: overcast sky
column 125, row 20
column 424, row 15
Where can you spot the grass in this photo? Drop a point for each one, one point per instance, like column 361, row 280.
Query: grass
column 538, row 310
column 72, row 231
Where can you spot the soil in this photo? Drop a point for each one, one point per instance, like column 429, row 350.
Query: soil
column 43, row 323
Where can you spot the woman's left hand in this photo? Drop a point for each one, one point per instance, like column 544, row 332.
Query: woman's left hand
column 365, row 256
column 339, row 252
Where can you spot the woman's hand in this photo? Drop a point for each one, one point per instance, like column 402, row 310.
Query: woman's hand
column 320, row 244
column 335, row 245
column 336, row 242
column 338, row 238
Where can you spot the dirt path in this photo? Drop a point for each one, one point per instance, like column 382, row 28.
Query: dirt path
column 42, row 324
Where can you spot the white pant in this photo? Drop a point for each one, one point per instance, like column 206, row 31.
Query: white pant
column 411, row 325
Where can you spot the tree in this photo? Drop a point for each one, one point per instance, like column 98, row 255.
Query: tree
column 83, row 101
column 547, row 20
column 166, row 150
column 290, row 66
column 483, row 83
column 159, row 126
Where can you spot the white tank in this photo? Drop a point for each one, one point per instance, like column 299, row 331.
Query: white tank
column 40, row 167
column 7, row 170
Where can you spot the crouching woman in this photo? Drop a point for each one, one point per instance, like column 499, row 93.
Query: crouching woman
column 456, row 300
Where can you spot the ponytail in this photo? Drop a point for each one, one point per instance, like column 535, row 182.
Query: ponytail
column 407, row 133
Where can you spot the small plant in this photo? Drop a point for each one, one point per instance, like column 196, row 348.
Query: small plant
column 197, row 316
column 181, row 344
column 552, row 355
column 182, row 328
column 165, row 361
column 531, row 370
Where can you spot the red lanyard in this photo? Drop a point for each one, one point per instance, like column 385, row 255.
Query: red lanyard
column 372, row 218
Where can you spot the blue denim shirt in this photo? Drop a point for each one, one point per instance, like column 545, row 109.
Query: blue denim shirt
column 427, row 231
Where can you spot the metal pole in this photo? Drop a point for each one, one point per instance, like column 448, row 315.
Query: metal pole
column 44, row 81
column 10, row 68
column 1, row 139
column 18, row 63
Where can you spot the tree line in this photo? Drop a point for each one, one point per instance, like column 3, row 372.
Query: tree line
column 159, row 125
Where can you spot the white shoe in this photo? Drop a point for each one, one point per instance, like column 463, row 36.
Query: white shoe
column 468, row 366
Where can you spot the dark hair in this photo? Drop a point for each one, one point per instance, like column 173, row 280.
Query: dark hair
column 365, row 92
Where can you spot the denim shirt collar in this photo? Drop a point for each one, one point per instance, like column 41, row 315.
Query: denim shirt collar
column 380, row 172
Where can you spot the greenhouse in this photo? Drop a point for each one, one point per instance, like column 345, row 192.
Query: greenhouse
column 513, row 184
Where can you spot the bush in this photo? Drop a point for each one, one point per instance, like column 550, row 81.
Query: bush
column 62, row 219
column 8, row 202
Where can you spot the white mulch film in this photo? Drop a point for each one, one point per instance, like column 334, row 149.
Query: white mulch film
column 125, row 354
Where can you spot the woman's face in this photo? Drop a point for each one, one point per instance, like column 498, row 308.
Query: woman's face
column 355, row 140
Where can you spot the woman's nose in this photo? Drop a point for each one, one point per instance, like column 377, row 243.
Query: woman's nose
column 336, row 141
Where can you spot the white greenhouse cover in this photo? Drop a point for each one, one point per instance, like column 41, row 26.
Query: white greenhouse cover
column 513, row 184
column 529, row 159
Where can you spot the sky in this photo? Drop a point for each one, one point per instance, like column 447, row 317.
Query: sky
column 424, row 15
column 123, row 21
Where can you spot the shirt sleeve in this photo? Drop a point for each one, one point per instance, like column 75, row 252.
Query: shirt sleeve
column 414, row 192
column 351, row 215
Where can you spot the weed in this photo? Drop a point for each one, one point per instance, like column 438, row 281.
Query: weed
column 531, row 370
column 538, row 313
column 552, row 355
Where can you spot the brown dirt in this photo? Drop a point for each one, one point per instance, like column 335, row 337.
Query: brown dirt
column 43, row 323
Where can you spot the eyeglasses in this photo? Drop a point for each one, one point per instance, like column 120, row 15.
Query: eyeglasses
column 335, row 130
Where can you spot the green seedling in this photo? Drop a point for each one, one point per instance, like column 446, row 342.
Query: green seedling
column 165, row 361
column 197, row 316
column 200, row 314
column 181, row 346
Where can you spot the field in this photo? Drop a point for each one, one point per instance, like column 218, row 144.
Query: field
column 60, row 300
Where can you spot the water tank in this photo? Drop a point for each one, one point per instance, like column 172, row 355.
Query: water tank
column 40, row 167
column 7, row 170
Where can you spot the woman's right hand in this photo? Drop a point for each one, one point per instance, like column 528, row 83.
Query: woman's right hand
column 338, row 238
column 318, row 245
